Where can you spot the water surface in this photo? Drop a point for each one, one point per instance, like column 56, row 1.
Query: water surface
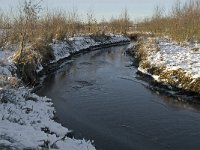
column 99, row 96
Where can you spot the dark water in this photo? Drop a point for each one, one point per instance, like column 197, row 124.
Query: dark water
column 99, row 96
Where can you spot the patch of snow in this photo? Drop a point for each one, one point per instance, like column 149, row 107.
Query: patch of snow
column 5, row 67
column 61, row 50
column 5, row 57
column 117, row 38
column 5, row 71
column 81, row 43
column 27, row 122
column 39, row 68
column 156, row 78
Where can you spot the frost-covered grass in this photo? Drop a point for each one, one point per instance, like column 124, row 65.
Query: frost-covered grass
column 175, row 57
column 5, row 61
column 170, row 63
column 6, row 65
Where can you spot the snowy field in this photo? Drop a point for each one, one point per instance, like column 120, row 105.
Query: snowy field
column 164, row 53
column 175, row 57
column 27, row 119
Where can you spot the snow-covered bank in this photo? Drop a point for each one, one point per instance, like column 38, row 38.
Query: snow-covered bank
column 67, row 48
column 27, row 119
column 63, row 49
column 27, row 122
column 169, row 63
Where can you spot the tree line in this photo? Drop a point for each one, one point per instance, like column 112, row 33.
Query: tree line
column 181, row 22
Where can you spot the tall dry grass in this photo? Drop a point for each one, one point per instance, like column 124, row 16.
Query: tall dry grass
column 31, row 22
column 181, row 23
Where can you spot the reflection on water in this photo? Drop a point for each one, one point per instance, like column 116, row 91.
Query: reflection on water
column 99, row 96
column 177, row 102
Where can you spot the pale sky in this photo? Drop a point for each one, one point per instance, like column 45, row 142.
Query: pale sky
column 137, row 9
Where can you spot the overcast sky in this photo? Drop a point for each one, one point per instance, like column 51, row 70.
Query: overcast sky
column 102, row 8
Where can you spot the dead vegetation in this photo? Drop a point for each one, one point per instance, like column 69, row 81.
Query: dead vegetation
column 181, row 22
column 177, row 78
column 31, row 22
column 9, row 82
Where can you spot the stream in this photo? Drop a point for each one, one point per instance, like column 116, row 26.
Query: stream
column 98, row 95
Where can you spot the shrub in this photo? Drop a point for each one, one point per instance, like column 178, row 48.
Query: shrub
column 44, row 49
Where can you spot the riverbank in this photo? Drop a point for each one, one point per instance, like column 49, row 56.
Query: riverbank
column 174, row 65
column 64, row 50
column 27, row 119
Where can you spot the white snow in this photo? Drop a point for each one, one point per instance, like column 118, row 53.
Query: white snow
column 39, row 68
column 63, row 49
column 80, row 43
column 176, row 57
column 173, row 56
column 5, row 67
column 5, row 61
column 5, row 71
column 118, row 37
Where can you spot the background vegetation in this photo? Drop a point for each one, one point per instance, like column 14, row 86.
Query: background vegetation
column 181, row 22
column 31, row 22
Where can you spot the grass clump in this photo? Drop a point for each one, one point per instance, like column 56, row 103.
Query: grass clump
column 27, row 63
column 140, row 51
column 44, row 49
column 176, row 78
